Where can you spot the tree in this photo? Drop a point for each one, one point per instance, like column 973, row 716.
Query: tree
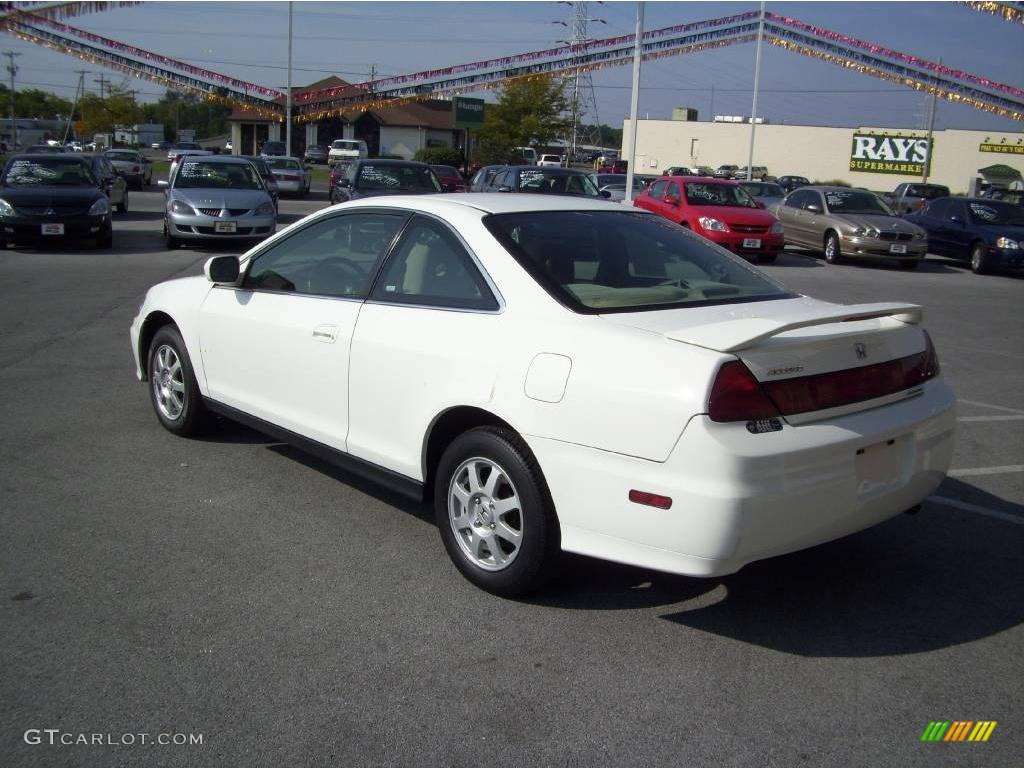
column 36, row 104
column 100, row 115
column 528, row 113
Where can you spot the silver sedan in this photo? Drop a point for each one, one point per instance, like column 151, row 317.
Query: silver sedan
column 215, row 199
column 291, row 174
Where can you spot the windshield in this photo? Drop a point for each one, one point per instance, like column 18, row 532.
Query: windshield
column 445, row 170
column 718, row 194
column 997, row 213
column 599, row 261
column 543, row 181
column 762, row 189
column 341, row 144
column 280, row 162
column 397, row 178
column 130, row 157
column 855, row 201
column 197, row 174
column 47, row 171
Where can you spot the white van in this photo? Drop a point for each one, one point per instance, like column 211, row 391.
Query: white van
column 346, row 149
column 528, row 155
column 550, row 161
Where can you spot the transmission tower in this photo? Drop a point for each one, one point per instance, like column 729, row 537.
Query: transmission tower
column 582, row 101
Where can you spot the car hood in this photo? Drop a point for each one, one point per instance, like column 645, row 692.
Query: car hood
column 221, row 198
column 732, row 214
column 35, row 196
column 875, row 221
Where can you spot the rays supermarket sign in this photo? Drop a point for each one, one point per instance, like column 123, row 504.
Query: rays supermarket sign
column 889, row 153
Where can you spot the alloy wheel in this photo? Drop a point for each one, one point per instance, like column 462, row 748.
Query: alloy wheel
column 484, row 513
column 168, row 383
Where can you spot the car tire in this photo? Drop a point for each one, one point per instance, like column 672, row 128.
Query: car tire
column 508, row 553
column 173, row 390
column 833, row 253
column 171, row 241
column 979, row 258
column 122, row 207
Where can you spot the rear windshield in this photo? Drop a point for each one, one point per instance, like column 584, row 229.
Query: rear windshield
column 854, row 201
column 196, row 174
column 444, row 170
column 47, row 170
column 543, row 181
column 718, row 194
column 280, row 162
column 927, row 191
column 342, row 144
column 398, row 178
column 611, row 261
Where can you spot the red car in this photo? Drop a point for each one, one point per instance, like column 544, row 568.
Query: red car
column 720, row 210
column 450, row 178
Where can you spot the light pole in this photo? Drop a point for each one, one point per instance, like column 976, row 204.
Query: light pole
column 13, row 70
column 288, row 108
column 757, row 83
column 635, row 99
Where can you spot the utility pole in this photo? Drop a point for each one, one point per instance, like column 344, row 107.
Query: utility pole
column 102, row 80
column 79, row 92
column 288, row 113
column 634, row 102
column 757, row 84
column 931, row 128
column 13, row 70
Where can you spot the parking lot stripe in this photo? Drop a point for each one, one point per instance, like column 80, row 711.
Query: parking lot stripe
column 986, row 471
column 993, row 407
column 991, row 418
column 1005, row 516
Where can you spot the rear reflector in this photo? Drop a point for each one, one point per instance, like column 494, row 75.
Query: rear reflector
column 650, row 499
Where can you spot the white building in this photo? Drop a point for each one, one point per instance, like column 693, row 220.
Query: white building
column 875, row 158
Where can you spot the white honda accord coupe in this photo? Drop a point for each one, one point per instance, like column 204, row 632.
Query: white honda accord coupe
column 559, row 374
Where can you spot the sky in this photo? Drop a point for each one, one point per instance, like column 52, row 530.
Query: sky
column 248, row 40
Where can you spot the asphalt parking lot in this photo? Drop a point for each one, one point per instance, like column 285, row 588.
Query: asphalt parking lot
column 289, row 614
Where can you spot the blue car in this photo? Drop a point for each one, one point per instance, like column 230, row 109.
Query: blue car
column 987, row 233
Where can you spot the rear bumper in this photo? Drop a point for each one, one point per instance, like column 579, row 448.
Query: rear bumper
column 739, row 497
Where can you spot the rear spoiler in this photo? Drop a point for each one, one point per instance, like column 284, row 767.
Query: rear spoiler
column 734, row 335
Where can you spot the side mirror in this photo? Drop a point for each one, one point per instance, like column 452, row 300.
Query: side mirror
column 504, row 189
column 813, row 208
column 759, row 204
column 222, row 270
column 671, row 199
column 956, row 220
column 162, row 183
column 605, row 193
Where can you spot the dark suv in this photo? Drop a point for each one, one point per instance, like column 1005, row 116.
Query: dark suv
column 372, row 177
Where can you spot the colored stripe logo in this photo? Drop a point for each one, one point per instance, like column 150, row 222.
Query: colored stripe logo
column 959, row 730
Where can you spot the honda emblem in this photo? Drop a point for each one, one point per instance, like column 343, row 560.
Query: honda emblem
column 861, row 350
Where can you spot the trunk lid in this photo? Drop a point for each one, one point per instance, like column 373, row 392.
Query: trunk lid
column 842, row 358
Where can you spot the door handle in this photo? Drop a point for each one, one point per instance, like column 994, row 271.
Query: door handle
column 328, row 334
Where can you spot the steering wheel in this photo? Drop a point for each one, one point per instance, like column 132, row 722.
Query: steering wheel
column 336, row 275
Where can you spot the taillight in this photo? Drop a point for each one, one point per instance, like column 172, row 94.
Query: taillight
column 737, row 396
column 931, row 365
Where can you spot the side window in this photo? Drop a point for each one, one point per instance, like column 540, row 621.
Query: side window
column 957, row 209
column 796, row 199
column 658, row 189
column 811, row 197
column 673, row 189
column 430, row 267
column 503, row 179
column 337, row 256
column 937, row 208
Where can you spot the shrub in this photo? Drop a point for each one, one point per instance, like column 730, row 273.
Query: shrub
column 832, row 183
column 439, row 156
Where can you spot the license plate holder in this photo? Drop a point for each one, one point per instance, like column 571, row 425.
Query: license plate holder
column 751, row 242
column 225, row 227
column 881, row 466
column 52, row 228
column 897, row 248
